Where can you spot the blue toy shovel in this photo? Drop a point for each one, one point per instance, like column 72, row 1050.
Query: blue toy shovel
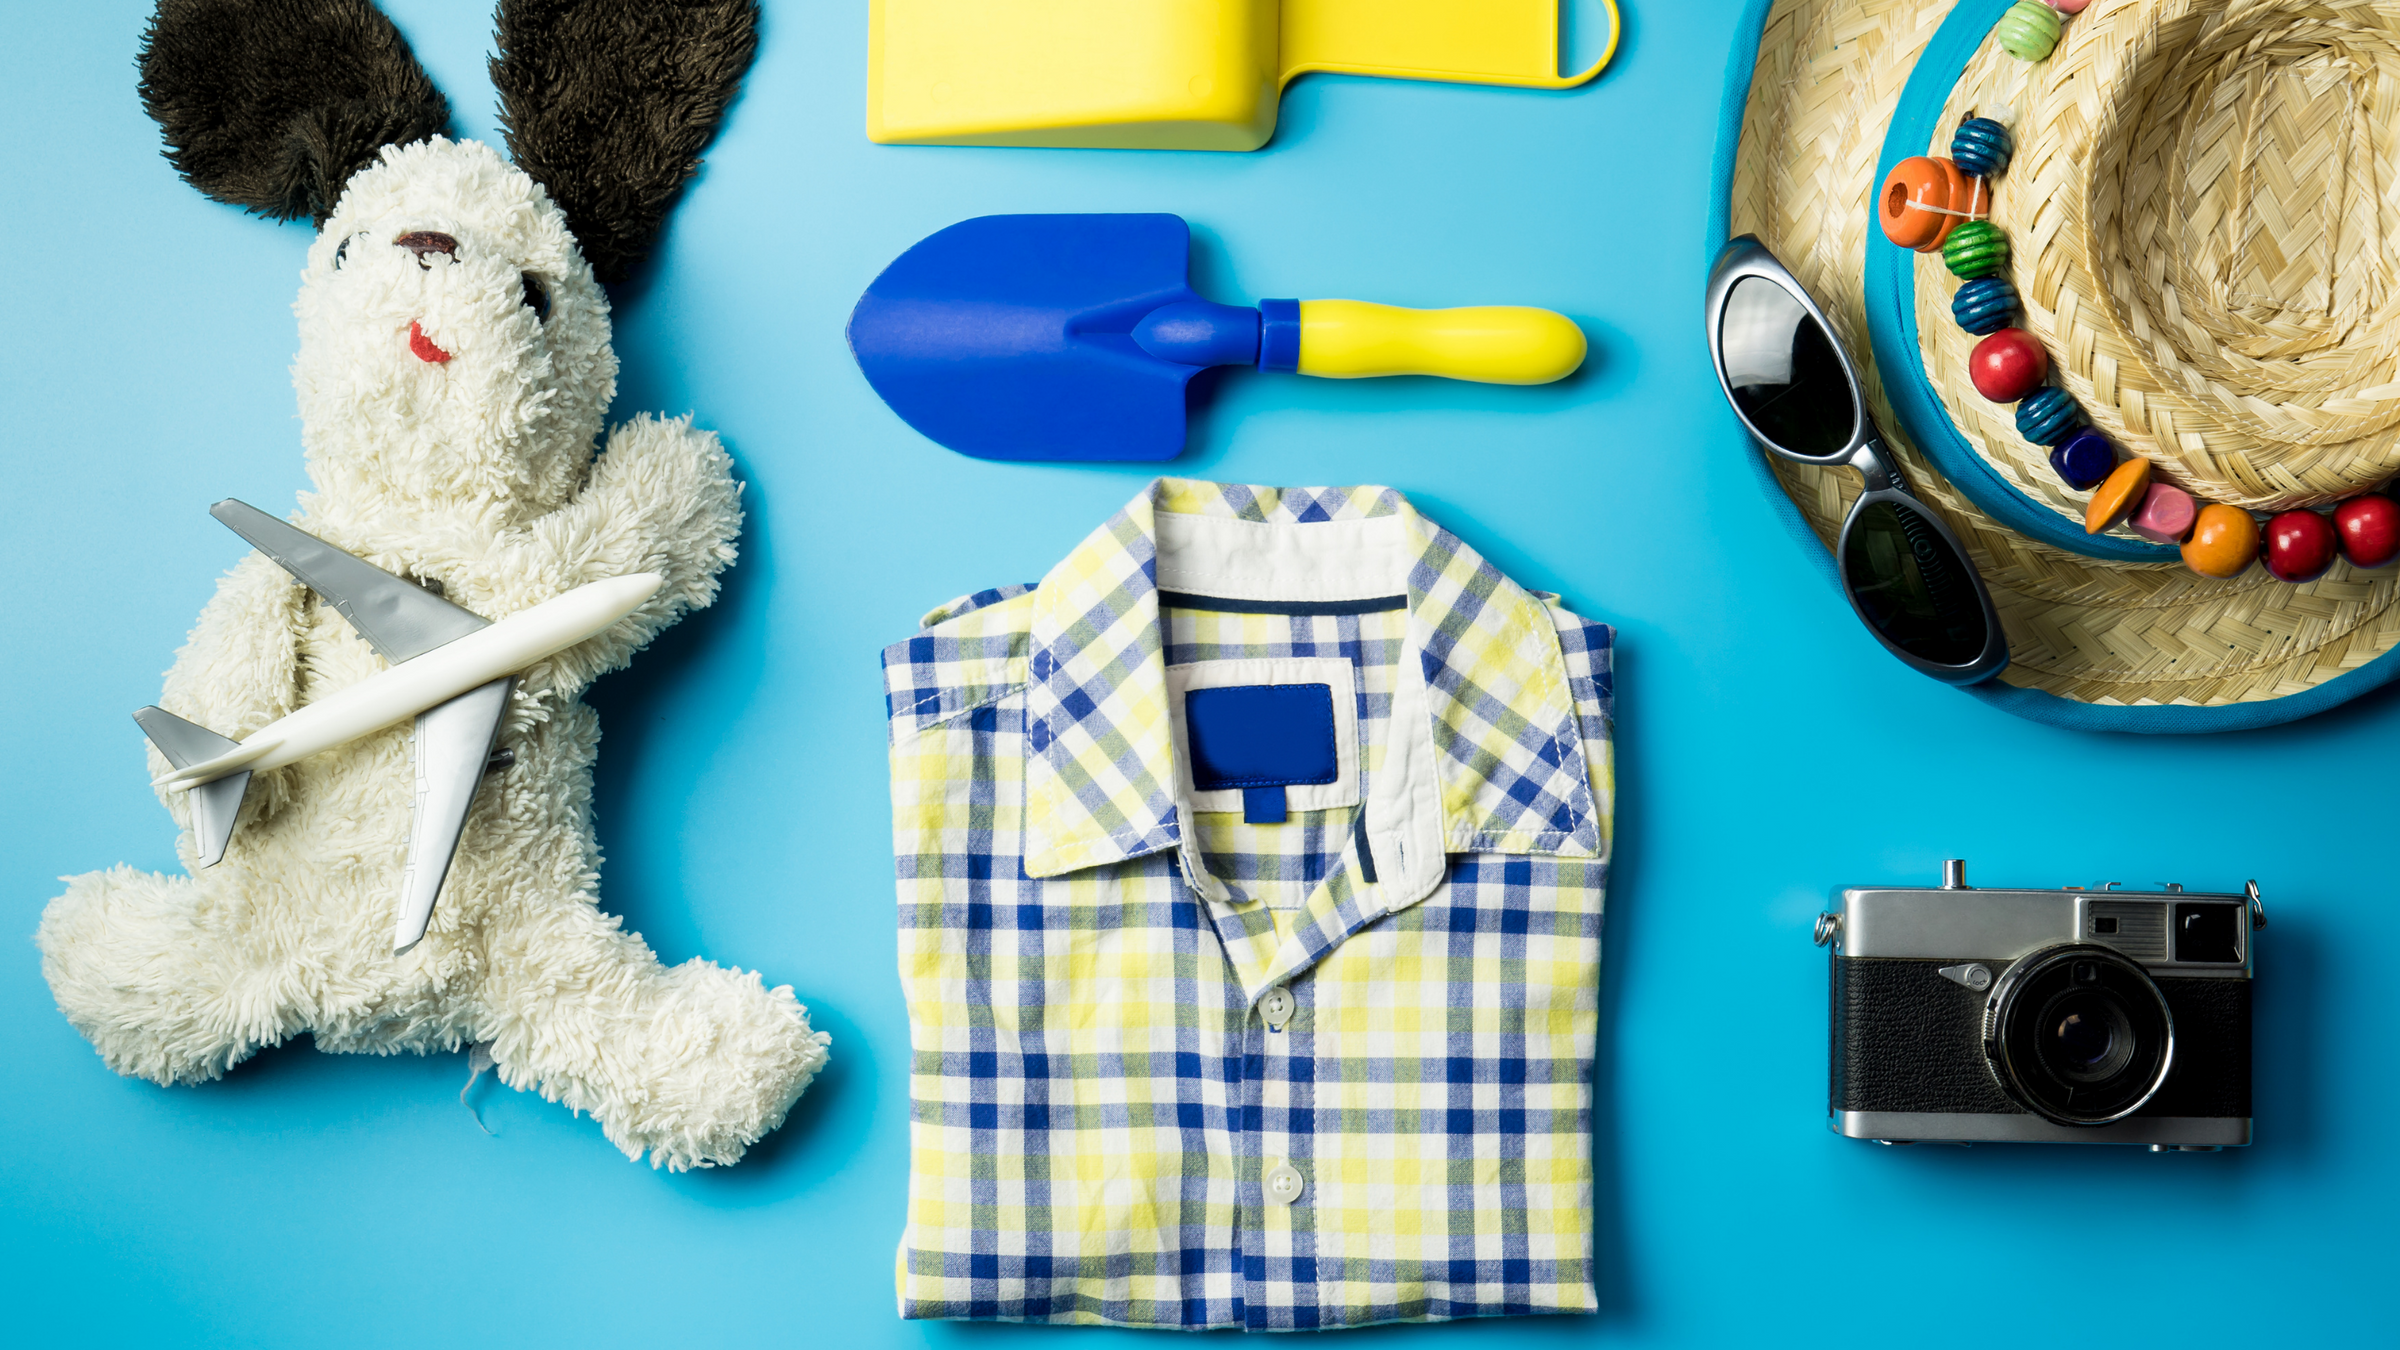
column 1072, row 337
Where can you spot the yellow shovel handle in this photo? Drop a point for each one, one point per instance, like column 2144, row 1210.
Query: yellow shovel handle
column 1512, row 42
column 1490, row 344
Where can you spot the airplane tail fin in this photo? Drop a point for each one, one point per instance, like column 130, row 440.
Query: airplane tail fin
column 214, row 805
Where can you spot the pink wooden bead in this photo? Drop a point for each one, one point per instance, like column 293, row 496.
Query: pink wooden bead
column 2166, row 515
column 2069, row 6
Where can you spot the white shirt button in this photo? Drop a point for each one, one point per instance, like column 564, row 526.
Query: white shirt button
column 1277, row 1006
column 1284, row 1183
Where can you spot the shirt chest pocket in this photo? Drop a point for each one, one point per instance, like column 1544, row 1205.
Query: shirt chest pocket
column 1266, row 736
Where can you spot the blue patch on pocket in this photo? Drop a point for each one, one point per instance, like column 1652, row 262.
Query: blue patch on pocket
column 1261, row 739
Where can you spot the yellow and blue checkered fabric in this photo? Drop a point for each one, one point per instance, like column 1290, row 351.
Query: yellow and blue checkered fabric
column 1173, row 1069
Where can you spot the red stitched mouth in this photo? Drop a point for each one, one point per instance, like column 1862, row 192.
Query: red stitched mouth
column 423, row 346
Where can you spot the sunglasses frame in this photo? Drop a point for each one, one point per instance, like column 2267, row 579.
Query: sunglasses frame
column 1744, row 258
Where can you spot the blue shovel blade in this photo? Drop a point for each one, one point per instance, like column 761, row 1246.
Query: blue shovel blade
column 1009, row 337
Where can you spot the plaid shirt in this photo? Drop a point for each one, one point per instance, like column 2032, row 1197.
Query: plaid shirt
column 1174, row 1069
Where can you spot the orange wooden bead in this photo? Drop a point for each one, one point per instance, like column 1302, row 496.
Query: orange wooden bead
column 2122, row 492
column 1914, row 185
column 2224, row 541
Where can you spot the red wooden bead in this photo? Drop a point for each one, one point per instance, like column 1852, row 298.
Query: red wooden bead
column 2008, row 365
column 2369, row 527
column 2299, row 545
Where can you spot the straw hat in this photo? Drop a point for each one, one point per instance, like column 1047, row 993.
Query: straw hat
column 2202, row 211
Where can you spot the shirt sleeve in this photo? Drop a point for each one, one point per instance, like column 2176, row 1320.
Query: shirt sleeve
column 1591, row 681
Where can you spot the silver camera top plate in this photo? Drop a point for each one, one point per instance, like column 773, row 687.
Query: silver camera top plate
column 2172, row 931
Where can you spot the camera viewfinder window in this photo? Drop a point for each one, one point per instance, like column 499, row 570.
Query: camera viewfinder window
column 2208, row 932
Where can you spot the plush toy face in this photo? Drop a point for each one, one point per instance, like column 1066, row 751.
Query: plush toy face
column 454, row 346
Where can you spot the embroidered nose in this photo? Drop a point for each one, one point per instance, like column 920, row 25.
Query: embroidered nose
column 422, row 242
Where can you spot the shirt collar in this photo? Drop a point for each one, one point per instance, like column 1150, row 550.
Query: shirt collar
column 1491, row 760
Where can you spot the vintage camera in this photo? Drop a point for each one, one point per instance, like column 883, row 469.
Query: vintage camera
column 2068, row 1017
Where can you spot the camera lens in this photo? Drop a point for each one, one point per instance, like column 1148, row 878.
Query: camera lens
column 2083, row 1040
column 2078, row 1035
column 2088, row 1038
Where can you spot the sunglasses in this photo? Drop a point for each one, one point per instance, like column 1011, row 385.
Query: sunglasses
column 1795, row 389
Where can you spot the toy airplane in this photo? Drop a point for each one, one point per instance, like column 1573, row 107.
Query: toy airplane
column 450, row 668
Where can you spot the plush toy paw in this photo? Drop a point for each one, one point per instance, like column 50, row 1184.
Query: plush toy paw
column 691, row 1065
column 730, row 1057
column 135, row 974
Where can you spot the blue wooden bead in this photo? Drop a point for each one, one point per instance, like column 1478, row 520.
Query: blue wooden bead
column 1981, row 147
column 1984, row 304
column 2084, row 460
column 2048, row 415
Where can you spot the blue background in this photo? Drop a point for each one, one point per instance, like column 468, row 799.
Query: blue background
column 1770, row 751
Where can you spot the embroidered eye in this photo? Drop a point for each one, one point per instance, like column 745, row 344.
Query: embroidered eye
column 341, row 251
column 537, row 297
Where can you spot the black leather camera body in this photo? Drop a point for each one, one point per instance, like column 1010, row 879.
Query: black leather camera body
column 2066, row 1016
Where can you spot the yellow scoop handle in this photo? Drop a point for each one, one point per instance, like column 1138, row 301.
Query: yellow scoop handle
column 1490, row 344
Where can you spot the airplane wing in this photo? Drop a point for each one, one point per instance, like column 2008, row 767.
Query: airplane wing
column 401, row 620
column 214, row 805
column 453, row 743
column 397, row 617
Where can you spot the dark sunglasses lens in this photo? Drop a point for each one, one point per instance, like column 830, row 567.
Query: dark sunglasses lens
column 1911, row 586
column 1783, row 370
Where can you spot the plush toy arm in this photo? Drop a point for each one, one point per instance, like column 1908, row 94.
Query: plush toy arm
column 661, row 498
column 239, row 670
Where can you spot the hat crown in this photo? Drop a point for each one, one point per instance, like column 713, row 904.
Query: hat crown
column 2200, row 190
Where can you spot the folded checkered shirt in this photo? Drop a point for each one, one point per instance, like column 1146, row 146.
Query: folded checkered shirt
column 1173, row 1068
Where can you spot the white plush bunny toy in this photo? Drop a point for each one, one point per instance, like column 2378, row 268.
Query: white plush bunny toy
column 453, row 373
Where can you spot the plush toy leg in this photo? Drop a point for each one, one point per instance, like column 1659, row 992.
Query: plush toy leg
column 692, row 1064
column 132, row 963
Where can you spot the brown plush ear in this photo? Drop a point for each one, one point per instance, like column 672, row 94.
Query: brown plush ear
column 608, row 103
column 272, row 104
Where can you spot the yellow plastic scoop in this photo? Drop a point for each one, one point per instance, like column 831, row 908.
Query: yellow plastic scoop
column 1174, row 74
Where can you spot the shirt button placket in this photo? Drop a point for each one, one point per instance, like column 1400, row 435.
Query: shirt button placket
column 1282, row 1184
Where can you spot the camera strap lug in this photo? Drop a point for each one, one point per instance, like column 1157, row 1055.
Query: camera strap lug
column 2258, row 907
column 1829, row 926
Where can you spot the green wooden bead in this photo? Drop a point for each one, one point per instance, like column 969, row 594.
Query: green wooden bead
column 1976, row 248
column 2028, row 31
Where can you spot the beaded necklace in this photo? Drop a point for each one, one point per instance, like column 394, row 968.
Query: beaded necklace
column 1929, row 203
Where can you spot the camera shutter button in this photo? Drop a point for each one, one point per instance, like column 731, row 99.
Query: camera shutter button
column 1277, row 1006
column 1284, row 1183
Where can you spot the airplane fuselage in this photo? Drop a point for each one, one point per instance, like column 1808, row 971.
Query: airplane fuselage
column 504, row 647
